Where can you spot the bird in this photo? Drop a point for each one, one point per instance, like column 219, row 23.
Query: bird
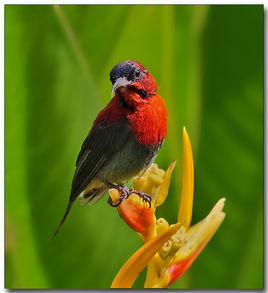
column 124, row 139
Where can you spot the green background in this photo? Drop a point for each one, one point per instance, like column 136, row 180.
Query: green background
column 208, row 61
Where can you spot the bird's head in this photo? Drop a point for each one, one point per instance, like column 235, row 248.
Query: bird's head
column 132, row 81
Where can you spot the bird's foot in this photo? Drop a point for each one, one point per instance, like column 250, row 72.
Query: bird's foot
column 144, row 196
column 125, row 192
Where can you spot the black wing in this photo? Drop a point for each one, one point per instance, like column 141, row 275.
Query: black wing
column 96, row 151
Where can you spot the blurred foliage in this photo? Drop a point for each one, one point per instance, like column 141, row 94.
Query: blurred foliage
column 208, row 63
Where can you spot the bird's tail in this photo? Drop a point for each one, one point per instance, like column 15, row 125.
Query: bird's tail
column 64, row 216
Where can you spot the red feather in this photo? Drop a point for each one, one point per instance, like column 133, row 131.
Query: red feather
column 147, row 116
column 149, row 123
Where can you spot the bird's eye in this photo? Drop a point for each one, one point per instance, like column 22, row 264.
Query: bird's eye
column 137, row 73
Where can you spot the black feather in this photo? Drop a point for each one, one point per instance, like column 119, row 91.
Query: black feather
column 97, row 150
column 101, row 144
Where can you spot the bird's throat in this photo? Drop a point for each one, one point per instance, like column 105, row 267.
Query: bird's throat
column 141, row 92
column 132, row 97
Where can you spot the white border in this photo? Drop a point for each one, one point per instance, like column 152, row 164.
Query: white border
column 2, row 3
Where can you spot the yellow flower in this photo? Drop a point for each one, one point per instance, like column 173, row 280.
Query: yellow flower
column 169, row 249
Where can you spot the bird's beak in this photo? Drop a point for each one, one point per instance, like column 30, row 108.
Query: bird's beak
column 120, row 82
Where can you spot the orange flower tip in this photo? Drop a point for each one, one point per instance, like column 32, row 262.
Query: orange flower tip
column 135, row 212
column 186, row 200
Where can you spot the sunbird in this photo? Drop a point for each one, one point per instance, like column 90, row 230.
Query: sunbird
column 124, row 139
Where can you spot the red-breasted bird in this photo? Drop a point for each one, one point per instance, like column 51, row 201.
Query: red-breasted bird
column 124, row 139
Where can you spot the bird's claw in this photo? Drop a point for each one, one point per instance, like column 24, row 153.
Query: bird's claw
column 125, row 192
column 114, row 205
column 144, row 196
